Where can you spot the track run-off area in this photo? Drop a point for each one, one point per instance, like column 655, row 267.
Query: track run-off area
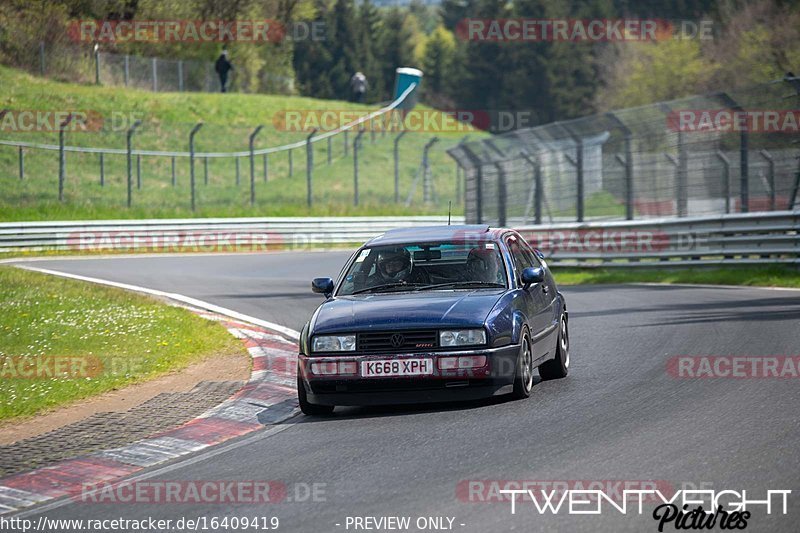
column 639, row 406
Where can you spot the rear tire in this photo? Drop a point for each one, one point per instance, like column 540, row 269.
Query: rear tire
column 523, row 375
column 558, row 367
column 310, row 408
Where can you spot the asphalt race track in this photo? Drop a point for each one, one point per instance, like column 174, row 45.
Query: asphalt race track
column 618, row 416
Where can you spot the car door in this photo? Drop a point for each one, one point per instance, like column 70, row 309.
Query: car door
column 534, row 298
column 549, row 295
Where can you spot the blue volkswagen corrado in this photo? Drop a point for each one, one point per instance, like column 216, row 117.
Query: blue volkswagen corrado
column 433, row 314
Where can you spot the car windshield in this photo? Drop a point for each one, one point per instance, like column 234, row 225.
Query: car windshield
column 420, row 267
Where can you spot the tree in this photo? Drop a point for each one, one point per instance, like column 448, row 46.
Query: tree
column 438, row 56
column 395, row 46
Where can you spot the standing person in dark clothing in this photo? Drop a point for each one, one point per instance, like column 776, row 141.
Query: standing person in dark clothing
column 223, row 66
column 359, row 85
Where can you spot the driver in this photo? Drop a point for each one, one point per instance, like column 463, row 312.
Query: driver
column 482, row 265
column 393, row 266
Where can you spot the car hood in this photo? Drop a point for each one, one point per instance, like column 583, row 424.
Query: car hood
column 430, row 309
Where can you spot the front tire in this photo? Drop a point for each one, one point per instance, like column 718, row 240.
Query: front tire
column 310, row 408
column 558, row 367
column 523, row 376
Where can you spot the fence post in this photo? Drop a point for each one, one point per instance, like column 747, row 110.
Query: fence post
column 191, row 159
column 205, row 171
column 21, row 163
column 102, row 170
column 238, row 175
column 97, row 64
column 355, row 165
column 127, row 69
column 476, row 163
column 180, row 75
column 682, row 192
column 427, row 186
column 537, row 188
column 62, row 159
column 329, row 149
column 138, row 172
column 252, row 141
column 627, row 164
column 795, row 188
column 501, row 194
column 174, row 180
column 397, row 166
column 41, row 59
column 770, row 177
column 345, row 143
column 309, row 165
column 291, row 163
column 458, row 182
column 266, row 168
column 461, row 175
column 744, row 156
column 155, row 74
column 726, row 179
column 129, row 138
column 578, row 164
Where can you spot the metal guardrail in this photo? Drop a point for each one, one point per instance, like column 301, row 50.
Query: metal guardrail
column 210, row 234
column 755, row 238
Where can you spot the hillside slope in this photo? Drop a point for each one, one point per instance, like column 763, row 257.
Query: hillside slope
column 228, row 121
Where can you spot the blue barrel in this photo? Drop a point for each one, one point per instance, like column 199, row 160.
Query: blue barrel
column 404, row 78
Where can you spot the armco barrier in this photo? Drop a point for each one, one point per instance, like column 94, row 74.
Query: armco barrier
column 755, row 238
column 201, row 234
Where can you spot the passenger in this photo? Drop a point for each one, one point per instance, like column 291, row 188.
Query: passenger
column 482, row 265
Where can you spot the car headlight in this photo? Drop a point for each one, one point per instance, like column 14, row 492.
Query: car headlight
column 462, row 337
column 334, row 343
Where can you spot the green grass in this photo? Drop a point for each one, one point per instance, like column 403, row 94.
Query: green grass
column 766, row 276
column 113, row 337
column 229, row 119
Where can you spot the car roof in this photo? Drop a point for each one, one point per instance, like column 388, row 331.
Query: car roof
column 434, row 234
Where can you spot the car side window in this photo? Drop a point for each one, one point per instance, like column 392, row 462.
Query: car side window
column 528, row 251
column 521, row 259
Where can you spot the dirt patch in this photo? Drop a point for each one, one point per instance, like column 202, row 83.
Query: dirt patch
column 227, row 367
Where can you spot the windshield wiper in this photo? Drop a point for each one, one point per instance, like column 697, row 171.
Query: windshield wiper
column 386, row 286
column 458, row 284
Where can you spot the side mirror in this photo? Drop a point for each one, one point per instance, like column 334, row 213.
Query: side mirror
column 322, row 286
column 532, row 276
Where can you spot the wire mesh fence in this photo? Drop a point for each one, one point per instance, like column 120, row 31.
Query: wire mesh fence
column 70, row 62
column 119, row 170
column 168, row 75
column 712, row 154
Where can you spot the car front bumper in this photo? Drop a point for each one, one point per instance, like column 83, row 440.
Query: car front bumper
column 496, row 378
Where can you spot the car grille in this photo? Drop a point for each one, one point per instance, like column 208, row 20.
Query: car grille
column 398, row 341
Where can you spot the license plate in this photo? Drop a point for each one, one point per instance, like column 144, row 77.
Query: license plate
column 397, row 367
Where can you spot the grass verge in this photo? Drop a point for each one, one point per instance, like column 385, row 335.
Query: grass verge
column 62, row 340
column 766, row 276
column 222, row 185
